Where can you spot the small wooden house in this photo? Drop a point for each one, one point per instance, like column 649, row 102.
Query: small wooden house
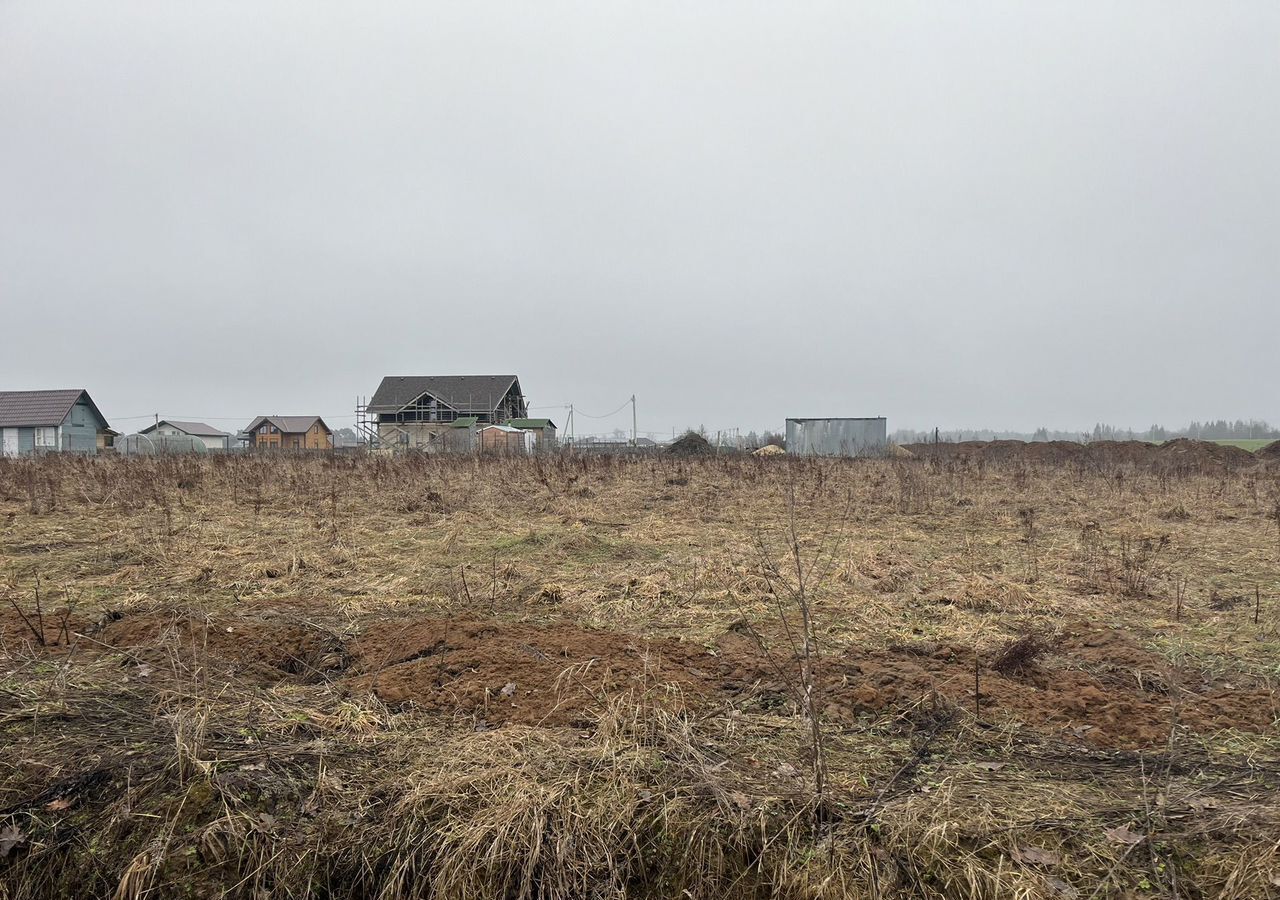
column 505, row 440
column 289, row 433
column 543, row 431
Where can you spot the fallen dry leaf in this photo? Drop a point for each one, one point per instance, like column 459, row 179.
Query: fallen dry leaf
column 11, row 838
column 1062, row 887
column 1037, row 856
column 59, row 804
column 508, row 689
column 1122, row 835
column 989, row 766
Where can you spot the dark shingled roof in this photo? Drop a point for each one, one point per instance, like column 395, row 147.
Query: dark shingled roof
column 461, row 392
column 24, row 409
column 199, row 429
column 288, row 424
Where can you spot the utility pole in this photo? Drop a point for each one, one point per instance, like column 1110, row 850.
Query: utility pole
column 571, row 423
column 633, row 420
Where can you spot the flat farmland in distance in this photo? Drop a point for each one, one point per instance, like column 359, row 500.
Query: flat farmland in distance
column 942, row 676
column 1251, row 444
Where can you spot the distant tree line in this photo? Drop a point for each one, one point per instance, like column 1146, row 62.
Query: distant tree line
column 1219, row 430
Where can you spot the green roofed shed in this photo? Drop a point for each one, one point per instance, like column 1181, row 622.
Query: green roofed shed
column 543, row 431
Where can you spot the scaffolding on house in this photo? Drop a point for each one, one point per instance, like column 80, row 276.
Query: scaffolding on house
column 366, row 425
column 427, row 410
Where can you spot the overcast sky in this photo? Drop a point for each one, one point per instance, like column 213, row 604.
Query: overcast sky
column 978, row 214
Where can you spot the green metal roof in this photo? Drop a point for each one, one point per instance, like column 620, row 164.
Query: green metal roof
column 531, row 423
column 465, row 421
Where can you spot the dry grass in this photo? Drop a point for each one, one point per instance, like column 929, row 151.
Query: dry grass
column 183, row 720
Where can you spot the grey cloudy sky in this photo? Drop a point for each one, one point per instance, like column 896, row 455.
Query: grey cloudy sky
column 972, row 213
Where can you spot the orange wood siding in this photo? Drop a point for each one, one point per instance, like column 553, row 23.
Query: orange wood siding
column 317, row 437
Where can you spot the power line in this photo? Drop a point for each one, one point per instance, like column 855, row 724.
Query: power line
column 188, row 417
column 625, row 404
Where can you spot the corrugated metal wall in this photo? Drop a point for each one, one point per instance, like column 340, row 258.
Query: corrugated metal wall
column 837, row 437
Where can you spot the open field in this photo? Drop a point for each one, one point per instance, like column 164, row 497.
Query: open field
column 1251, row 444
column 483, row 678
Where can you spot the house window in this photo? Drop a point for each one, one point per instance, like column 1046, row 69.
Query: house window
column 46, row 437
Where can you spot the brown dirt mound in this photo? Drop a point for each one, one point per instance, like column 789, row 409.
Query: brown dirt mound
column 1180, row 454
column 1054, row 697
column 1115, row 453
column 1099, row 688
column 500, row 673
column 256, row 648
column 52, row 629
column 1271, row 451
column 1189, row 453
column 1054, row 451
column 691, row 444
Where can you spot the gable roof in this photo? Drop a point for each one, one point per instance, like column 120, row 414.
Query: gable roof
column 289, row 424
column 531, row 423
column 198, row 429
column 24, row 409
column 461, row 392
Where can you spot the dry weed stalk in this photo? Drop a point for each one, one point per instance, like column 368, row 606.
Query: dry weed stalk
column 799, row 586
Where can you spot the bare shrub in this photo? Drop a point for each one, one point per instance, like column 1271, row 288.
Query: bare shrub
column 1139, row 559
column 1020, row 654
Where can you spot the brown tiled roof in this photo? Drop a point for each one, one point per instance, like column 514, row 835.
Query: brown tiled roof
column 288, row 424
column 23, row 409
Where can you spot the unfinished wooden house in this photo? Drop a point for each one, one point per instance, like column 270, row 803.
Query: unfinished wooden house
column 439, row 412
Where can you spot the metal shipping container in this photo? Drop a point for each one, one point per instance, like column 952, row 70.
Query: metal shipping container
column 837, row 437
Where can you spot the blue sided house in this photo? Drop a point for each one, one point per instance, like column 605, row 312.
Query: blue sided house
column 51, row 422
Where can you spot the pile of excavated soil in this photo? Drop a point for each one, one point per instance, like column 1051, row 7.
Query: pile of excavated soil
column 1100, row 688
column 1186, row 452
column 1181, row 454
column 1271, row 452
column 551, row 675
column 261, row 650
column 1096, row 686
column 1115, row 453
column 691, row 444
